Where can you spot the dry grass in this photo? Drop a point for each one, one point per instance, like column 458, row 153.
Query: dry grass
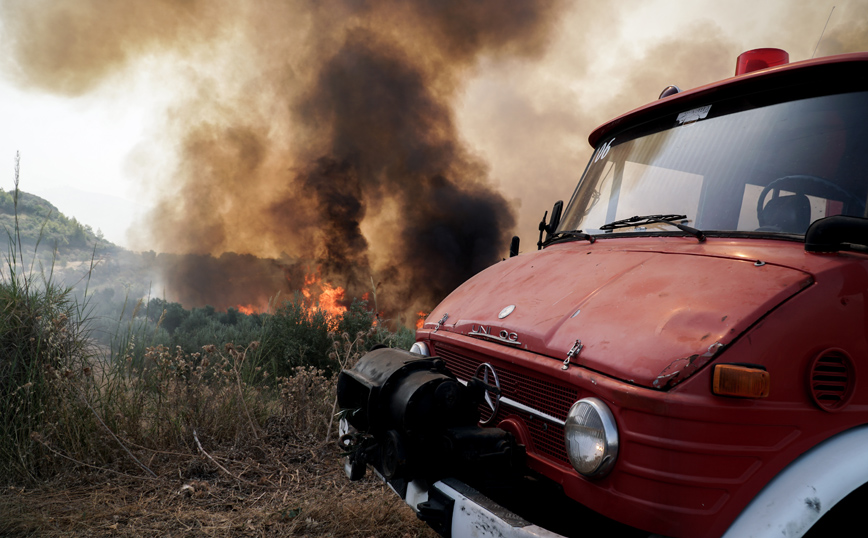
column 273, row 489
column 191, row 448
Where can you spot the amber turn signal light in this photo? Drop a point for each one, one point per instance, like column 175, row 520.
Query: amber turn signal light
column 741, row 381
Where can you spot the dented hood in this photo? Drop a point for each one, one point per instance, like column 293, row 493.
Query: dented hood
column 649, row 318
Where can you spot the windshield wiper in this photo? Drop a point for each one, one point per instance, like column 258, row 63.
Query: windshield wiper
column 650, row 219
column 572, row 234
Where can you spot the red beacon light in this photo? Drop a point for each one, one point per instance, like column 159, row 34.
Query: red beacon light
column 756, row 59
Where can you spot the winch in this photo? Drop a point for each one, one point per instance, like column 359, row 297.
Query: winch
column 413, row 419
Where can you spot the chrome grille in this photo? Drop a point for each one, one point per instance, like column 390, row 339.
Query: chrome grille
column 526, row 387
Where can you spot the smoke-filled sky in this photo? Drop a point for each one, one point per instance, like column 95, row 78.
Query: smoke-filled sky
column 403, row 139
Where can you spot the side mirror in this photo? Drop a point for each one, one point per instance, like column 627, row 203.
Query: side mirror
column 556, row 218
column 513, row 246
column 837, row 233
column 550, row 228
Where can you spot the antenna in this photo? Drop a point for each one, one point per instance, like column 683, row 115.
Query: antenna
column 821, row 33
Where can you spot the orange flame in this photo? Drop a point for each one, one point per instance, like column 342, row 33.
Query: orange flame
column 329, row 299
column 323, row 297
column 421, row 321
column 247, row 309
column 318, row 296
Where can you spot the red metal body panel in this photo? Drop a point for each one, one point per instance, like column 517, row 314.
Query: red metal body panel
column 689, row 461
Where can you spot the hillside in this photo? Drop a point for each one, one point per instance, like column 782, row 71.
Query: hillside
column 115, row 283
column 47, row 243
column 41, row 224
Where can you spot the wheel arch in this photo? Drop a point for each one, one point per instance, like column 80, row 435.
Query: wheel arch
column 793, row 501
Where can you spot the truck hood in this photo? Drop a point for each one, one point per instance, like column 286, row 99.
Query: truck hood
column 648, row 318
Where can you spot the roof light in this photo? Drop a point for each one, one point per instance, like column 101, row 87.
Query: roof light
column 756, row 59
column 742, row 381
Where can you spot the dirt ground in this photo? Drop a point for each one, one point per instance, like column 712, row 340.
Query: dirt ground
column 269, row 490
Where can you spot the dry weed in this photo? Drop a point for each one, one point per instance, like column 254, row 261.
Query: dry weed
column 287, row 491
column 305, row 403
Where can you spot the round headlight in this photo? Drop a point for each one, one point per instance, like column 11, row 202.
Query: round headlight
column 591, row 437
column 421, row 348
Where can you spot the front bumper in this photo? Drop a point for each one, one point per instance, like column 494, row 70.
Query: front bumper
column 456, row 510
column 415, row 424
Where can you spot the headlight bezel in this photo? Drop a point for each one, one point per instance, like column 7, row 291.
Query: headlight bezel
column 420, row 348
column 609, row 428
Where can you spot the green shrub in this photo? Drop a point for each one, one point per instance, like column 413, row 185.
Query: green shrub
column 295, row 336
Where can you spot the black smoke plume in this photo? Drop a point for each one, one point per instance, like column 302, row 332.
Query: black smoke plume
column 317, row 132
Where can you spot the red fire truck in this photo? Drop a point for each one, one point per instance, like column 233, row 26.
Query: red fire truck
column 683, row 354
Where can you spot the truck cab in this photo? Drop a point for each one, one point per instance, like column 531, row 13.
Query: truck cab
column 683, row 356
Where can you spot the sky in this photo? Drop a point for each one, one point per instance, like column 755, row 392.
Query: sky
column 101, row 155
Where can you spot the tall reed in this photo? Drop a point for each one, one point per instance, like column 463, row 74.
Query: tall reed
column 43, row 345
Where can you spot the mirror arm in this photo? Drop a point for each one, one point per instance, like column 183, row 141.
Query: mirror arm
column 542, row 228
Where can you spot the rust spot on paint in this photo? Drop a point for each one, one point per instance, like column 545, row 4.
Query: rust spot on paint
column 680, row 369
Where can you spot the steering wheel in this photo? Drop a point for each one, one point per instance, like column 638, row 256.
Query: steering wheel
column 813, row 185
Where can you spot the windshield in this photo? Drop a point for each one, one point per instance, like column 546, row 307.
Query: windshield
column 735, row 165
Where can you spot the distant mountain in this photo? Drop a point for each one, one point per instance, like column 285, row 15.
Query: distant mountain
column 40, row 222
